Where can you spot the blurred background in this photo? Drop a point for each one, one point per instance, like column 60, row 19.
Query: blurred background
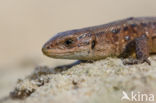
column 25, row 25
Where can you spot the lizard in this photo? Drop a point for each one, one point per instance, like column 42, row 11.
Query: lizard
column 130, row 37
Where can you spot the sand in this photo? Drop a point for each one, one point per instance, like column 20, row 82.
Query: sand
column 99, row 82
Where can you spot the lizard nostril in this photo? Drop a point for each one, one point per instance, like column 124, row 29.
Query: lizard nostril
column 47, row 47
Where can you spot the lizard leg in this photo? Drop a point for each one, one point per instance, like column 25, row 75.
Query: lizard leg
column 129, row 49
column 141, row 50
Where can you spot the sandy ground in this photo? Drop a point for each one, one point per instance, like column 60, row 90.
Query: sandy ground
column 99, row 82
column 26, row 25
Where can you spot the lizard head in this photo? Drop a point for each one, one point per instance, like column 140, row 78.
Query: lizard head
column 73, row 44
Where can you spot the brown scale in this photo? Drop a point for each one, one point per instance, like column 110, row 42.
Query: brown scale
column 133, row 36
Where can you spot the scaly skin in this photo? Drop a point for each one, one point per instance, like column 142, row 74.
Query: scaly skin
column 120, row 38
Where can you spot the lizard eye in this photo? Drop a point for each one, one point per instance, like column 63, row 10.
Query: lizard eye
column 68, row 42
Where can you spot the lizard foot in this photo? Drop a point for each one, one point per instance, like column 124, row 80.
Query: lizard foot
column 131, row 61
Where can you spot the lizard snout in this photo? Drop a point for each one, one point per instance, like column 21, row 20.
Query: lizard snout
column 45, row 49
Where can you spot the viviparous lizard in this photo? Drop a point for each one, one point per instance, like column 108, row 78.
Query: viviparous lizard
column 122, row 38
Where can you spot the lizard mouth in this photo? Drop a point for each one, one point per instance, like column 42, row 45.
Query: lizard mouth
column 53, row 54
column 64, row 54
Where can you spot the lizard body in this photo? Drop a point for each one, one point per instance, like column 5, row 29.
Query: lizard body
column 120, row 38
